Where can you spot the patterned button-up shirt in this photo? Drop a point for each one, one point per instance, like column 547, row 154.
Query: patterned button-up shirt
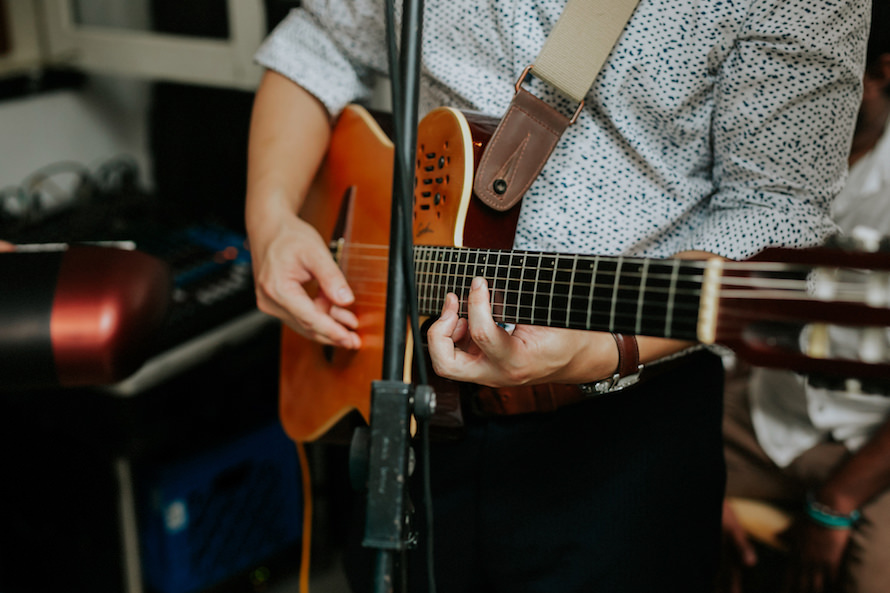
column 718, row 125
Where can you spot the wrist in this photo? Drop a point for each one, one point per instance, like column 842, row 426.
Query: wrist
column 828, row 516
column 627, row 369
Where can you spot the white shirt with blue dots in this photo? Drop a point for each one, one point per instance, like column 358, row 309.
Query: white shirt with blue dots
column 717, row 125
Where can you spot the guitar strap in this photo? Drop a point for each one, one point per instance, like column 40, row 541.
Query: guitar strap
column 570, row 61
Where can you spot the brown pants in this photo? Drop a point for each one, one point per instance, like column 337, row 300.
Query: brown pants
column 751, row 474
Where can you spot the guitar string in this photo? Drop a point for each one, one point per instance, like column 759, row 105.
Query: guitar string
column 466, row 253
column 748, row 288
column 762, row 284
column 519, row 312
column 763, row 267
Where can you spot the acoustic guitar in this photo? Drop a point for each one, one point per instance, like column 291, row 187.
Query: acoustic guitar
column 773, row 310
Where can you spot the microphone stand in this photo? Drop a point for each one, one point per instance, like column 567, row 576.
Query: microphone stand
column 387, row 526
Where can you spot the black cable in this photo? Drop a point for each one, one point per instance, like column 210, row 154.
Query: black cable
column 398, row 104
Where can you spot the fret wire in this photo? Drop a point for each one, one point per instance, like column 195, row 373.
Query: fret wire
column 429, row 293
column 672, row 293
column 596, row 263
column 519, row 292
column 422, row 276
column 459, row 270
column 470, row 277
column 435, row 291
column 642, row 292
column 537, row 284
column 571, row 289
column 442, row 280
column 442, row 288
column 615, row 293
column 456, row 271
column 420, row 252
column 428, row 272
column 428, row 300
column 552, row 286
column 497, row 268
column 507, row 271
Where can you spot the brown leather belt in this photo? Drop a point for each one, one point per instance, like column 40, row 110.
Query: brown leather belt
column 525, row 399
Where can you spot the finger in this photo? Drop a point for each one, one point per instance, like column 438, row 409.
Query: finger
column 344, row 317
column 325, row 326
column 460, row 335
column 737, row 536
column 287, row 299
column 319, row 328
column 747, row 554
column 452, row 305
column 486, row 334
column 331, row 281
column 439, row 336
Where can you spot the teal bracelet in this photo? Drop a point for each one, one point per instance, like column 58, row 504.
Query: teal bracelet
column 828, row 517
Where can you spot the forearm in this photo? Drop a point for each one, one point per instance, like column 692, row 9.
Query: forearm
column 289, row 134
column 862, row 477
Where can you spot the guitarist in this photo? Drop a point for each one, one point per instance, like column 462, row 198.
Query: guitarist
column 713, row 128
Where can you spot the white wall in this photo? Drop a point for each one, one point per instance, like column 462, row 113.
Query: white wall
column 105, row 119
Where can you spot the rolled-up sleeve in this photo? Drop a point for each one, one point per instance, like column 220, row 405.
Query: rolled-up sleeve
column 319, row 50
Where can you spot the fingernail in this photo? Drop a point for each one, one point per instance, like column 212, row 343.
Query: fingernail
column 344, row 294
column 477, row 283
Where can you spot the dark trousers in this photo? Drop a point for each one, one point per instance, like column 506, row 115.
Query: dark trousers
column 620, row 494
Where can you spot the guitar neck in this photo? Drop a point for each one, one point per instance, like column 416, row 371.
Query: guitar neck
column 620, row 294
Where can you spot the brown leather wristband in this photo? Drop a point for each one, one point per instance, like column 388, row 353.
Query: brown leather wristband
column 628, row 354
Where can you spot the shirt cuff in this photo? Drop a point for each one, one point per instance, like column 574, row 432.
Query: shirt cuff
column 301, row 51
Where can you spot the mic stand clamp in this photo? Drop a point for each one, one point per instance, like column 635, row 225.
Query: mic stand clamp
column 389, row 461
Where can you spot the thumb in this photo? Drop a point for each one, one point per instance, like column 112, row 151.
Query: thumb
column 331, row 281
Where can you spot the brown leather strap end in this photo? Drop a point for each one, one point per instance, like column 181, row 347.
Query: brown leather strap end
column 518, row 150
column 628, row 354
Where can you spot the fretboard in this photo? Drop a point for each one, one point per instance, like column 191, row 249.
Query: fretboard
column 621, row 294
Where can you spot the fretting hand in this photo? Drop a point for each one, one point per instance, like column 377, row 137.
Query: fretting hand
column 476, row 349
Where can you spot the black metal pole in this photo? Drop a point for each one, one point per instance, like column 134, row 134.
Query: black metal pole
column 387, row 520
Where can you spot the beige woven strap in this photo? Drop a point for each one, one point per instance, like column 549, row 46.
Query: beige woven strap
column 580, row 42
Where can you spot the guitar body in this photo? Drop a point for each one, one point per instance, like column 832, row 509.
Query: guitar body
column 350, row 202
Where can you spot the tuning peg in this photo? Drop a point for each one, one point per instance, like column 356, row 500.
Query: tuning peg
column 877, row 289
column 866, row 239
column 873, row 346
column 861, row 238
